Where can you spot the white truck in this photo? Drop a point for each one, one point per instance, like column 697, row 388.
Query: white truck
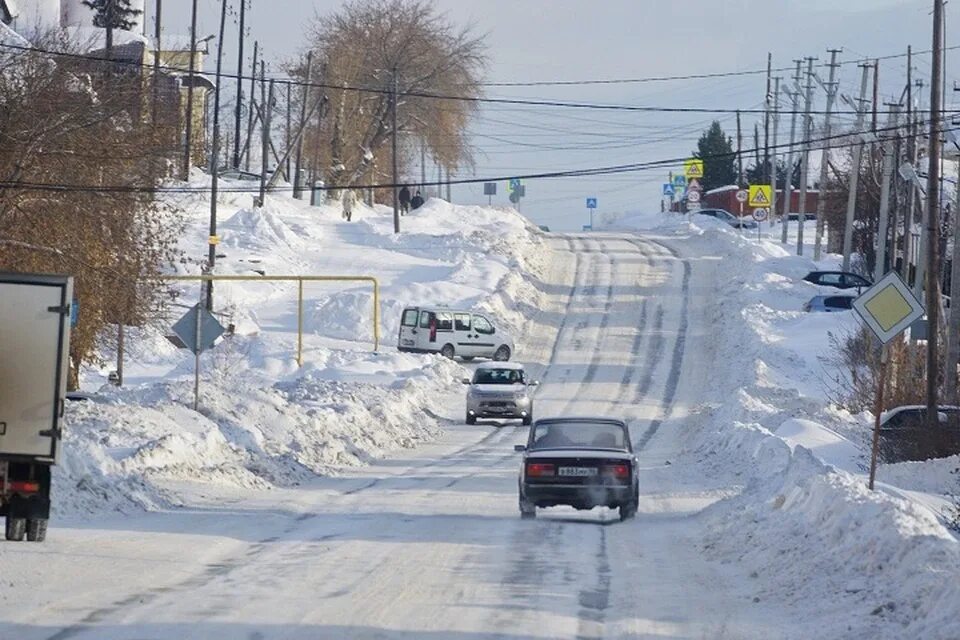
column 35, row 319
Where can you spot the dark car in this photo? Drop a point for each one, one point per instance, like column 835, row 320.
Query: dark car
column 578, row 462
column 829, row 304
column 723, row 215
column 904, row 436
column 838, row 280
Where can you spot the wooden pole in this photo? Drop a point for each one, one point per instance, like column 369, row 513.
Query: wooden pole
column 877, row 412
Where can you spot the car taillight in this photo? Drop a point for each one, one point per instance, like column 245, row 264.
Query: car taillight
column 619, row 471
column 25, row 487
column 539, row 470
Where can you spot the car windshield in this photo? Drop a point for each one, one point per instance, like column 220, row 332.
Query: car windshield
column 498, row 376
column 579, row 435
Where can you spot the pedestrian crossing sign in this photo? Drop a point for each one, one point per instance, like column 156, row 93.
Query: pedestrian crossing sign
column 693, row 168
column 760, row 196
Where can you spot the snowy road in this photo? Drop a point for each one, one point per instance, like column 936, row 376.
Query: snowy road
column 430, row 544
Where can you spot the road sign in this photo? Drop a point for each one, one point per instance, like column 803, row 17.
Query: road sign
column 693, row 168
column 694, row 185
column 668, row 190
column 186, row 329
column 888, row 307
column 693, row 196
column 679, row 184
column 591, row 203
column 760, row 195
column 742, row 196
column 515, row 184
column 214, row 240
column 761, row 214
column 489, row 188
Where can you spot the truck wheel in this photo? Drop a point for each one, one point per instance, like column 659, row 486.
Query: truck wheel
column 37, row 530
column 502, row 354
column 448, row 351
column 16, row 529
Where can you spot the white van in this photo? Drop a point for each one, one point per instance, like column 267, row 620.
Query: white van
column 452, row 333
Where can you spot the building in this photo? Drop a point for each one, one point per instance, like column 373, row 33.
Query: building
column 726, row 198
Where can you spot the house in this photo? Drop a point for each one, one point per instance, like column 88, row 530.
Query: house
column 726, row 198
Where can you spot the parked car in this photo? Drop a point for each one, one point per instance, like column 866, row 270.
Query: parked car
column 829, row 304
column 904, row 435
column 838, row 280
column 725, row 216
column 579, row 462
column 452, row 333
column 500, row 390
column 543, row 228
column 793, row 217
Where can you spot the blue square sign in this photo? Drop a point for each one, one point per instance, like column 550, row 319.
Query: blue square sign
column 591, row 203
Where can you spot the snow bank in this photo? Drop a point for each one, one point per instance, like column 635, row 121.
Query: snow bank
column 871, row 564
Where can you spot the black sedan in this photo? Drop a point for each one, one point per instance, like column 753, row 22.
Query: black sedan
column 838, row 280
column 578, row 462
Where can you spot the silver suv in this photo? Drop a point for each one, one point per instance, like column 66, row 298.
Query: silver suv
column 499, row 390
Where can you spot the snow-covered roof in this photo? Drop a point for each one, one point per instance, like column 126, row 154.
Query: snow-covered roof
column 730, row 187
column 94, row 38
column 512, row 366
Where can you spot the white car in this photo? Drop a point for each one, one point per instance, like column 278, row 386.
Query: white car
column 452, row 333
column 500, row 390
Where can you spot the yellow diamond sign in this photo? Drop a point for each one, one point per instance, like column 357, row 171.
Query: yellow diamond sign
column 888, row 307
column 693, row 169
column 760, row 196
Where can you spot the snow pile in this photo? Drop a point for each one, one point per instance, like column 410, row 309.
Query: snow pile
column 265, row 421
column 805, row 524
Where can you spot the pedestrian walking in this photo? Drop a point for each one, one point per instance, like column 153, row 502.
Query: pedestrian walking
column 404, row 200
column 349, row 199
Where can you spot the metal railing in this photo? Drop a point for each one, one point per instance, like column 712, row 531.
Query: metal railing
column 300, row 280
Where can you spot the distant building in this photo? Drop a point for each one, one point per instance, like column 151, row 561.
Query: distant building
column 726, row 198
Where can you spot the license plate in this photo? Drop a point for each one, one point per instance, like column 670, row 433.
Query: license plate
column 577, row 471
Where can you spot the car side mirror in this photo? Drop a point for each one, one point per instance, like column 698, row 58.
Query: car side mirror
column 466, row 381
column 519, row 448
column 535, row 383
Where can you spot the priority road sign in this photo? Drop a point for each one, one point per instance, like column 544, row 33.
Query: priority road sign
column 186, row 329
column 888, row 307
column 591, row 203
column 760, row 196
column 693, row 168
column 742, row 196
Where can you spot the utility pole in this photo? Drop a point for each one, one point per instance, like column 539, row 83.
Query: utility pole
column 215, row 160
column 855, row 170
column 953, row 330
column 238, row 113
column 831, row 88
column 772, row 157
column 788, row 187
column 910, row 151
column 739, row 152
column 916, row 201
column 253, row 88
column 286, row 132
column 766, row 116
column 876, row 93
column 889, row 161
column 190, row 81
column 265, row 121
column 805, row 158
column 423, row 164
column 297, row 183
column 158, row 14
column 394, row 99
column 933, row 223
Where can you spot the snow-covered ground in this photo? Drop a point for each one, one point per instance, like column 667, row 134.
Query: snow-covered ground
column 344, row 498
column 264, row 421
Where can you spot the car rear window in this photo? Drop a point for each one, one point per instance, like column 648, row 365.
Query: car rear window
column 579, row 435
column 409, row 318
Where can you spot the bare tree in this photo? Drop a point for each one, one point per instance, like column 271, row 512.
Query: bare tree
column 78, row 167
column 381, row 45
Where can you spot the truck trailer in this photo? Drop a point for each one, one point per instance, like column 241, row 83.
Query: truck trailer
column 35, row 320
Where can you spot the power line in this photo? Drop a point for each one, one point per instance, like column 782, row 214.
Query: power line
column 595, row 171
column 430, row 95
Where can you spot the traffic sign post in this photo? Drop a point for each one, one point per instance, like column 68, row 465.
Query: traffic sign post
column 760, row 196
column 591, row 205
column 760, row 215
column 489, row 190
column 888, row 308
column 693, row 168
column 197, row 331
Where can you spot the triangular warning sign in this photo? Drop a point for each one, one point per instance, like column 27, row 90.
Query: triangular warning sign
column 759, row 196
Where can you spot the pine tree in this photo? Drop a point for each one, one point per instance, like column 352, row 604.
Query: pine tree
column 112, row 14
column 719, row 159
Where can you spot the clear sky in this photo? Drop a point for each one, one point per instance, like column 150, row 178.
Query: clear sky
column 535, row 40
